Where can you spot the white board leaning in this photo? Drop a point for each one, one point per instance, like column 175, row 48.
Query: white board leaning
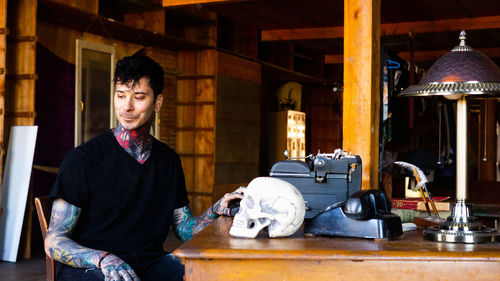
column 16, row 181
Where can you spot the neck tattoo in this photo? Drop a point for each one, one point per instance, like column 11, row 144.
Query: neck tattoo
column 138, row 143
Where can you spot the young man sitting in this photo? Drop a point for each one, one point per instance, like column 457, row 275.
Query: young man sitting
column 117, row 195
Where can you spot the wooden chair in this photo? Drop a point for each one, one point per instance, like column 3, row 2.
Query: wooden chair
column 43, row 209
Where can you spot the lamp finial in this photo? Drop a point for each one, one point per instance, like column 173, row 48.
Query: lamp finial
column 462, row 47
column 462, row 37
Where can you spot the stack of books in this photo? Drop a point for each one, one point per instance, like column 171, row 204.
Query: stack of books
column 409, row 208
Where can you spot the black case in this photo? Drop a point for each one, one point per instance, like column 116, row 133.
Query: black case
column 322, row 181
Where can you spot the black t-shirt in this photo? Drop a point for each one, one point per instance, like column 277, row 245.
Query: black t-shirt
column 127, row 207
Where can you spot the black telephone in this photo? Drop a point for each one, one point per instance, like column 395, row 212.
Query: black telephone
column 366, row 214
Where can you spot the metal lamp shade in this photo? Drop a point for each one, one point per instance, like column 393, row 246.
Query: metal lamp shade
column 460, row 72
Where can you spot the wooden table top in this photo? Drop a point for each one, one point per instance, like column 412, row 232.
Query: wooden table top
column 214, row 242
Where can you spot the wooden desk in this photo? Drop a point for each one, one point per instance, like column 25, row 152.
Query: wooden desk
column 214, row 255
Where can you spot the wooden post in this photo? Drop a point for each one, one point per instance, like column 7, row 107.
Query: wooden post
column 20, row 85
column 3, row 47
column 362, row 85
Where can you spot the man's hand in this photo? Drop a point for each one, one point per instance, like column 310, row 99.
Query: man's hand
column 186, row 226
column 221, row 207
column 115, row 269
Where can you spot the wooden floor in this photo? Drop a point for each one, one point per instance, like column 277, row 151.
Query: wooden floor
column 32, row 269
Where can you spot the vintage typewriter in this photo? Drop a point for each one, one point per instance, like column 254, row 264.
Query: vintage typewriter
column 323, row 179
column 330, row 184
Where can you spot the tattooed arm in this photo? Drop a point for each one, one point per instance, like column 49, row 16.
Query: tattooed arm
column 186, row 226
column 62, row 248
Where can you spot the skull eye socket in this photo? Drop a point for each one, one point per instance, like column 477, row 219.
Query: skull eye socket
column 262, row 220
column 251, row 224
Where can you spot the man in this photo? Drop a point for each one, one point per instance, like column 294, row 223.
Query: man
column 117, row 195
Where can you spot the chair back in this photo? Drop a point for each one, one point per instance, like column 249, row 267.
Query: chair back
column 43, row 209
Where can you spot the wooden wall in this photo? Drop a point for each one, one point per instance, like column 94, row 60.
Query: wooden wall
column 196, row 99
column 323, row 110
column 166, row 120
column 217, row 88
column 156, row 21
column 20, row 64
column 61, row 40
column 153, row 21
column 238, row 123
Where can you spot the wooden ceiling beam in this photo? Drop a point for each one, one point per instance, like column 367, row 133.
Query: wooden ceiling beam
column 334, row 59
column 181, row 3
column 418, row 55
column 385, row 29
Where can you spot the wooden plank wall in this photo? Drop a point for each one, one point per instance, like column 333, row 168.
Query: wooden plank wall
column 166, row 120
column 195, row 137
column 214, row 87
column 153, row 20
column 238, row 123
column 3, row 48
column 324, row 119
column 20, row 64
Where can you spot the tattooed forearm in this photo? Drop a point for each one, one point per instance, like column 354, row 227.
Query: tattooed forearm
column 58, row 243
column 187, row 226
column 60, row 246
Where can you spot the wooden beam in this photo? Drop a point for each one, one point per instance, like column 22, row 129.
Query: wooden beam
column 361, row 101
column 418, row 55
column 385, row 29
column 331, row 32
column 334, row 58
column 180, row 3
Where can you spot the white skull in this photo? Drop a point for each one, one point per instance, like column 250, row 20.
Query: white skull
column 269, row 202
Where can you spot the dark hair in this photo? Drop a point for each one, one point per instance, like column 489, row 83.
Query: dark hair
column 131, row 69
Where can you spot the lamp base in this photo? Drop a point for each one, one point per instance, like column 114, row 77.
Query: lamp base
column 462, row 227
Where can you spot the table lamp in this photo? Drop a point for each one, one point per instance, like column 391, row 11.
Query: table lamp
column 459, row 75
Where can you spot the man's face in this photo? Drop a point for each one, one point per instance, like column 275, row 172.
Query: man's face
column 135, row 107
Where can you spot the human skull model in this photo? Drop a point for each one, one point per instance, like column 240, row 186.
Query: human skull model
column 269, row 202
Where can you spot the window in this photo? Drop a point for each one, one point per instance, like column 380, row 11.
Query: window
column 94, row 112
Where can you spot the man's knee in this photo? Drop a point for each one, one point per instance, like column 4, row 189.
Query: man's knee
column 68, row 273
column 167, row 268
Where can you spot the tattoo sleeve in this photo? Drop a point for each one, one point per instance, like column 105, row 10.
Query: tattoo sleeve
column 58, row 242
column 186, row 226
